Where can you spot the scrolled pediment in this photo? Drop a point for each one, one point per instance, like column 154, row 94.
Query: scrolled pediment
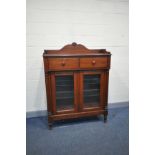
column 75, row 46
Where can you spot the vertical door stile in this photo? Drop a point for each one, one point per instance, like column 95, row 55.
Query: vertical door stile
column 75, row 91
column 102, row 90
column 81, row 91
column 78, row 92
column 105, row 89
column 53, row 92
column 107, row 83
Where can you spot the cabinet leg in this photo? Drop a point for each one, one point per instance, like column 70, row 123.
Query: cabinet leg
column 50, row 126
column 105, row 118
column 50, row 123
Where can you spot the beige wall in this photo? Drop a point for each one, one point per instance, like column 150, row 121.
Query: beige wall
column 95, row 23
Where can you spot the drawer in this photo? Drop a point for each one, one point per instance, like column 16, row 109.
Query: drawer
column 95, row 62
column 63, row 63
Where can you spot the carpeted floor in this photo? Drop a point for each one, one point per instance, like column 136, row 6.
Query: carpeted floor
column 81, row 136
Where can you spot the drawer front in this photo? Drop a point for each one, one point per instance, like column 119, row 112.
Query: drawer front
column 63, row 63
column 94, row 62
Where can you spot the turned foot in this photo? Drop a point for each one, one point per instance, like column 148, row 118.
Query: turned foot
column 50, row 126
column 105, row 118
column 105, row 115
column 50, row 121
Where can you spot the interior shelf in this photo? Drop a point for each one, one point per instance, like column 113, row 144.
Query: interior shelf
column 64, row 92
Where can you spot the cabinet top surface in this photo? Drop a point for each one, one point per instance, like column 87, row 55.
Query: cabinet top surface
column 73, row 50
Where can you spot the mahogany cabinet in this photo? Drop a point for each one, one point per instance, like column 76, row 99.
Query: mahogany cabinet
column 76, row 82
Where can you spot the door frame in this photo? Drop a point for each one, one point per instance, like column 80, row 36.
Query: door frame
column 53, row 87
column 102, row 91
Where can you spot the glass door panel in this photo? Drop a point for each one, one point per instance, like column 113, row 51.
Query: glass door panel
column 64, row 92
column 91, row 90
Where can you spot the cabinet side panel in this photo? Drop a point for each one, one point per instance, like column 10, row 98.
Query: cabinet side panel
column 48, row 93
column 109, row 61
column 53, row 93
column 48, row 89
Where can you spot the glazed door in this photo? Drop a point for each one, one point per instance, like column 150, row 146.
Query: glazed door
column 64, row 93
column 91, row 90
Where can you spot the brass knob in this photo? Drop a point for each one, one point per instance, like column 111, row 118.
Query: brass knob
column 63, row 63
column 93, row 62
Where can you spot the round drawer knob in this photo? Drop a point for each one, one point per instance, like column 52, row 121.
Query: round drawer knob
column 93, row 62
column 63, row 63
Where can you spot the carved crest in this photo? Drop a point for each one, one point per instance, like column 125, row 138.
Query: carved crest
column 74, row 46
